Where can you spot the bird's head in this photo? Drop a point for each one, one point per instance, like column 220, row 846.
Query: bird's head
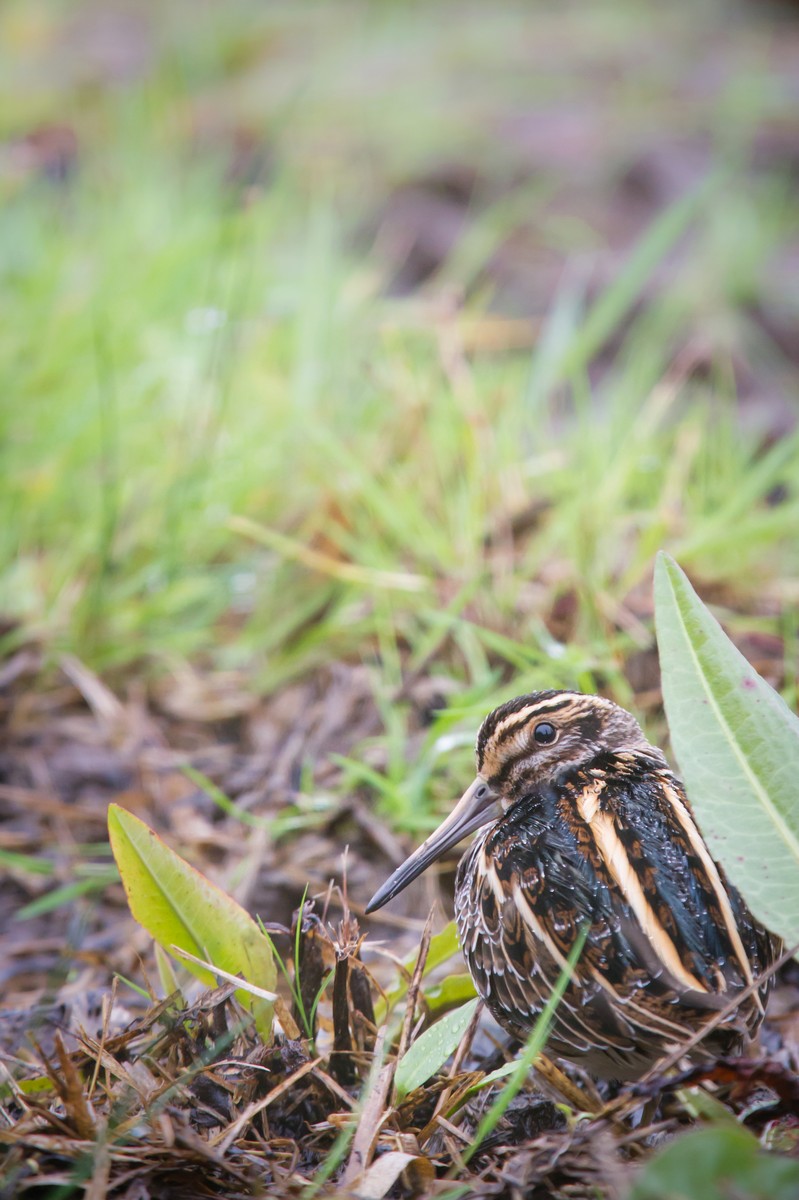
column 521, row 746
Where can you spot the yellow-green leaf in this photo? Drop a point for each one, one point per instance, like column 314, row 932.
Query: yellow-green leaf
column 178, row 906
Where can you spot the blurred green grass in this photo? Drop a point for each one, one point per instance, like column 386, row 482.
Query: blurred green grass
column 184, row 346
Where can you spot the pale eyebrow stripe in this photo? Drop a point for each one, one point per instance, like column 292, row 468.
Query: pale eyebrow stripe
column 517, row 720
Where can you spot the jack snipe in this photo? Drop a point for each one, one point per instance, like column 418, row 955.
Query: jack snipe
column 587, row 824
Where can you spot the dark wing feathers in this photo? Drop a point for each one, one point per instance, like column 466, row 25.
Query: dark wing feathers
column 614, row 845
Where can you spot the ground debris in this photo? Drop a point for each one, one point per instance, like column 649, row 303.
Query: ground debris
column 173, row 1097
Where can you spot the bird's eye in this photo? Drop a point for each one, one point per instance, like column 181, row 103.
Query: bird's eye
column 545, row 734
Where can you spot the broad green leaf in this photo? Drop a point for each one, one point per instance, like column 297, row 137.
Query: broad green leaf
column 432, row 1049
column 737, row 745
column 443, row 946
column 453, row 989
column 494, row 1076
column 180, row 907
column 723, row 1163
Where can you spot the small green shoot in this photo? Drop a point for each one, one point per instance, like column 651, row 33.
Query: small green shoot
column 167, row 976
column 294, row 982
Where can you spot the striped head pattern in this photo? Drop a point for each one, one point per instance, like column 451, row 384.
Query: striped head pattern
column 530, row 740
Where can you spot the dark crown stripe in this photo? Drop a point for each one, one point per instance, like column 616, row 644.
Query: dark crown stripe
column 541, row 710
column 511, row 706
column 543, row 702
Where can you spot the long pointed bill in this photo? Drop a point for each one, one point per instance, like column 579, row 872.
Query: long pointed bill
column 476, row 807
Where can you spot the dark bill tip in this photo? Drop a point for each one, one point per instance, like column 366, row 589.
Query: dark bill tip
column 476, row 807
column 385, row 893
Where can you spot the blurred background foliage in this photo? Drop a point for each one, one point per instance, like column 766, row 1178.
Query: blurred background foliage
column 475, row 305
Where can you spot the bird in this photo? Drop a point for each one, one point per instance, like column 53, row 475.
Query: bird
column 583, row 824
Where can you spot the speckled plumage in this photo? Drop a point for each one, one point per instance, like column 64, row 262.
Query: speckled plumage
column 595, row 829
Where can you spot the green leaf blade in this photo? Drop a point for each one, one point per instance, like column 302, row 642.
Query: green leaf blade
column 737, row 745
column 430, row 1051
column 453, row 990
column 178, row 906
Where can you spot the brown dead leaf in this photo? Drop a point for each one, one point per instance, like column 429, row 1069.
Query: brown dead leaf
column 371, row 1120
column 416, row 1172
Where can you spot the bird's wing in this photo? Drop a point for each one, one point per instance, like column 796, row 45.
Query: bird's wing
column 616, row 848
